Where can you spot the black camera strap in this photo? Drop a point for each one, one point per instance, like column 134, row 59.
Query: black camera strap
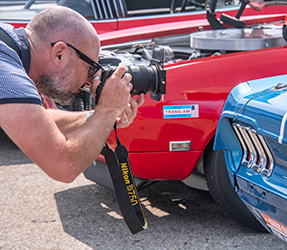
column 123, row 180
column 125, row 188
column 9, row 41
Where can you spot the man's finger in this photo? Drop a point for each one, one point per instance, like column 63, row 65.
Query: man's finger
column 120, row 71
column 140, row 99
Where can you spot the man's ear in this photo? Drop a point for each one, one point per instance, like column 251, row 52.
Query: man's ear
column 60, row 53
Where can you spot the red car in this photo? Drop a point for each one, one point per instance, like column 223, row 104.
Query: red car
column 172, row 139
column 107, row 15
column 203, row 58
column 111, row 15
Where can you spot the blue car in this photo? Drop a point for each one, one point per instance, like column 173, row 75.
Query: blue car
column 252, row 132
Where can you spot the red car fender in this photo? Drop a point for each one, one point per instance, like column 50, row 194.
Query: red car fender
column 203, row 82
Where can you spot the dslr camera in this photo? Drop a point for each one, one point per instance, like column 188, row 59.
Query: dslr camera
column 146, row 68
column 145, row 79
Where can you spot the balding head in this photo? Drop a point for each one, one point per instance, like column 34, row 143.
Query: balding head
column 62, row 24
column 57, row 69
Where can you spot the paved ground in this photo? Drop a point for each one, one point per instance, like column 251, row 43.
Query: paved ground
column 39, row 213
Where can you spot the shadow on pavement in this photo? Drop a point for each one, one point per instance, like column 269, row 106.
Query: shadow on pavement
column 91, row 214
column 10, row 154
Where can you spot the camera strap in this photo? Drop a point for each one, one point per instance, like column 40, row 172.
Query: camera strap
column 124, row 185
column 4, row 37
column 123, row 180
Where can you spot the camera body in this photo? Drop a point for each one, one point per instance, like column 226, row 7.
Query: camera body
column 148, row 74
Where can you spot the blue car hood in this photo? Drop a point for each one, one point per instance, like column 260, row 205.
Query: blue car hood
column 256, row 103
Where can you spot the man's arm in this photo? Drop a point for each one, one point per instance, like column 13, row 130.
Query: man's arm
column 67, row 121
column 63, row 156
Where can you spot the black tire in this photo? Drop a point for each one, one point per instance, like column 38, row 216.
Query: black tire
column 223, row 192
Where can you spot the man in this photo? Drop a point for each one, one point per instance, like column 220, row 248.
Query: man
column 61, row 46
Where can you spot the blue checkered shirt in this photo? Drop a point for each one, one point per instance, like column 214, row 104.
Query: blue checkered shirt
column 15, row 84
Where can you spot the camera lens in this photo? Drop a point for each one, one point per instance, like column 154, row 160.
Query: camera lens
column 145, row 79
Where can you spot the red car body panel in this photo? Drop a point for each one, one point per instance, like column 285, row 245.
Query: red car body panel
column 127, row 23
column 175, row 28
column 205, row 82
column 108, row 25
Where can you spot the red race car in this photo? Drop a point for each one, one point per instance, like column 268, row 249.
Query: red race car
column 193, row 59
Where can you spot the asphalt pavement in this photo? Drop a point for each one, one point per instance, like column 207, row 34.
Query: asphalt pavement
column 40, row 213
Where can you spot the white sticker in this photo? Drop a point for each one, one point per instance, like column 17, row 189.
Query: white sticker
column 180, row 111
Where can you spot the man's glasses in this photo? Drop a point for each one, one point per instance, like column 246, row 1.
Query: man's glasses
column 95, row 66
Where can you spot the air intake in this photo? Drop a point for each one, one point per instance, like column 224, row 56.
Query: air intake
column 256, row 154
column 109, row 9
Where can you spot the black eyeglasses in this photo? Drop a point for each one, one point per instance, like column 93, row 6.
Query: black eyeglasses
column 95, row 66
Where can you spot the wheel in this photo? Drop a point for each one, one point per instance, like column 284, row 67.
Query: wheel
column 223, row 192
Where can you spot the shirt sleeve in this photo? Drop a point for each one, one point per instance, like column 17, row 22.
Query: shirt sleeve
column 15, row 84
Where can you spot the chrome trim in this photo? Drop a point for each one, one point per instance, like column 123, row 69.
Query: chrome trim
column 262, row 161
column 283, row 123
column 245, row 151
column 116, row 9
column 268, row 169
column 105, row 9
column 251, row 149
column 256, row 153
column 122, row 8
column 110, row 8
column 99, row 9
column 94, row 9
column 171, row 143
column 125, row 44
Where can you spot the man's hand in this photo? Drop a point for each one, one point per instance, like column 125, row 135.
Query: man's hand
column 115, row 96
column 127, row 117
column 115, row 93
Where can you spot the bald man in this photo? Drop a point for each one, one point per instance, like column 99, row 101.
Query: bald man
column 59, row 52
